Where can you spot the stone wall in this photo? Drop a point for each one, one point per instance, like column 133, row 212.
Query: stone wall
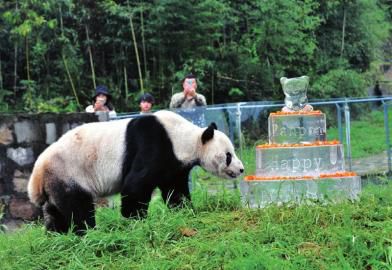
column 22, row 138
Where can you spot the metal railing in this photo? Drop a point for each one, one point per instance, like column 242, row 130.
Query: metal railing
column 343, row 111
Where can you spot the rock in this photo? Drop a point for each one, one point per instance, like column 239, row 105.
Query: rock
column 20, row 182
column 22, row 208
column 22, row 156
column 51, row 133
column 26, row 131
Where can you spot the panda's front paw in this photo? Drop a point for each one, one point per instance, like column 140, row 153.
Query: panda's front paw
column 183, row 202
column 132, row 213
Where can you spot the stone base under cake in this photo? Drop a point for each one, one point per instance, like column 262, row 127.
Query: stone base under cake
column 261, row 193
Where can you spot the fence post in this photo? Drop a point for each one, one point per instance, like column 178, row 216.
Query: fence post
column 348, row 134
column 238, row 114
column 339, row 112
column 386, row 125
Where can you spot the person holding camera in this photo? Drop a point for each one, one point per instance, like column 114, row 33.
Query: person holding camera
column 188, row 98
column 101, row 101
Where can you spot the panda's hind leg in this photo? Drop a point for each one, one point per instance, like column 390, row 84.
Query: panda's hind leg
column 69, row 205
column 54, row 220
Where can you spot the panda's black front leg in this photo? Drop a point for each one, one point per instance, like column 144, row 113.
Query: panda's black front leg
column 173, row 197
column 176, row 195
column 135, row 196
column 133, row 206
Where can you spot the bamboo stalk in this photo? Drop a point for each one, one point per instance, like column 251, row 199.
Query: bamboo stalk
column 65, row 60
column 27, row 58
column 136, row 52
column 1, row 76
column 343, row 30
column 15, row 67
column 143, row 43
column 90, row 56
column 212, row 86
column 125, row 82
column 28, row 71
column 15, row 59
column 70, row 78
column 220, row 76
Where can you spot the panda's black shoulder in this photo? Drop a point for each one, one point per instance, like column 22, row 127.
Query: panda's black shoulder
column 146, row 137
column 146, row 124
column 147, row 131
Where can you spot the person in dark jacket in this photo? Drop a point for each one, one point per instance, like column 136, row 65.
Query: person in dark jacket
column 102, row 101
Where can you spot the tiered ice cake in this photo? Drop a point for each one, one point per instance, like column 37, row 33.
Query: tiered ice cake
column 299, row 164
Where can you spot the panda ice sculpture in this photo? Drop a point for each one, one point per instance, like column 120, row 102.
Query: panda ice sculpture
column 131, row 157
column 294, row 90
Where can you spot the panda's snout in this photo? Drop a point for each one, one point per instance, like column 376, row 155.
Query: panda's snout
column 234, row 172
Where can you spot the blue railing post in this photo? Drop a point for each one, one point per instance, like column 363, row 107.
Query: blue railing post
column 348, row 134
column 238, row 114
column 387, row 138
column 339, row 112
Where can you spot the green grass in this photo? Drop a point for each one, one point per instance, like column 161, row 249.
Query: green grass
column 227, row 236
column 367, row 135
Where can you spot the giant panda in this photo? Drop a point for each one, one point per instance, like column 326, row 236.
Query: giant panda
column 129, row 156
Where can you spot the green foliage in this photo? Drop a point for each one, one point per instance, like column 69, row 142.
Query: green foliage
column 286, row 38
column 2, row 226
column 235, row 92
column 365, row 26
column 3, row 103
column 58, row 104
column 29, row 95
column 65, row 46
column 339, row 83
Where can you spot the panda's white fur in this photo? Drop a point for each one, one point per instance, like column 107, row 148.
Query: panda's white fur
column 92, row 153
column 128, row 156
column 187, row 145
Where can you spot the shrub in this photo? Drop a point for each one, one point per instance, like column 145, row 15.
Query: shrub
column 339, row 83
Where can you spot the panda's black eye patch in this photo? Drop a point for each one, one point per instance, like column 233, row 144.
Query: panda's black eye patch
column 228, row 158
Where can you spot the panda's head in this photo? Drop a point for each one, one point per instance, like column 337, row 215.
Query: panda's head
column 217, row 154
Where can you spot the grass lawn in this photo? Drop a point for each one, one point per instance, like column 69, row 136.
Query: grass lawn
column 367, row 135
column 217, row 233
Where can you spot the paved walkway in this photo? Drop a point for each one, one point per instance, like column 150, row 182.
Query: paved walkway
column 374, row 164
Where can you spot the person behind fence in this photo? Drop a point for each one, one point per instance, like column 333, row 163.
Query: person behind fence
column 146, row 101
column 377, row 92
column 189, row 103
column 188, row 98
column 102, row 101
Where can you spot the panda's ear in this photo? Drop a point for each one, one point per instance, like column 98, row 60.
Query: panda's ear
column 214, row 125
column 208, row 134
